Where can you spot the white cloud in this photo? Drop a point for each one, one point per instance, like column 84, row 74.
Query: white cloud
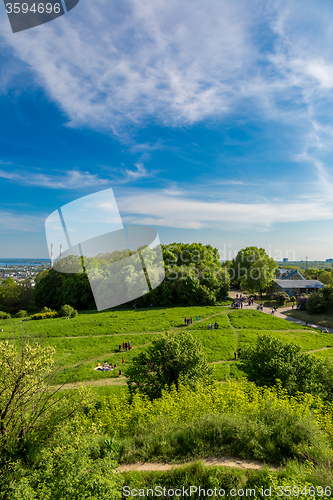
column 180, row 212
column 139, row 173
column 111, row 66
column 174, row 61
column 72, row 179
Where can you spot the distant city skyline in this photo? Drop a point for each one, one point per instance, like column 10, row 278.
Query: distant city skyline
column 211, row 121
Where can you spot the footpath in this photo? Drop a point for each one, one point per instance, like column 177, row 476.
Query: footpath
column 208, row 462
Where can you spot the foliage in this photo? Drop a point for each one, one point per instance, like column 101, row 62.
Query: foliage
column 29, row 410
column 21, row 314
column 271, row 360
column 320, row 302
column 4, row 315
column 233, row 418
column 193, row 275
column 44, row 315
column 14, row 296
column 68, row 311
column 173, row 357
column 301, row 301
column 252, row 269
column 281, row 298
column 74, row 466
column 213, row 480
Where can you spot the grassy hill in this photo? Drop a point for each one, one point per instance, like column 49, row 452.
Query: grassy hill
column 234, row 418
column 94, row 337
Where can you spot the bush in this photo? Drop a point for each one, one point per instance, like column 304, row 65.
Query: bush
column 4, row 315
column 239, row 419
column 21, row 314
column 68, row 311
column 320, row 302
column 301, row 301
column 281, row 298
column 77, row 468
column 173, row 357
column 44, row 315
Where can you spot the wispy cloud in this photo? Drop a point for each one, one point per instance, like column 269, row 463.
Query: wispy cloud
column 139, row 173
column 175, row 64
column 11, row 222
column 177, row 211
column 159, row 60
column 72, row 179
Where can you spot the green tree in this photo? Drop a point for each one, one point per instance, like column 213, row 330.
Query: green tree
column 11, row 294
column 172, row 357
column 252, row 269
column 29, row 408
column 272, row 359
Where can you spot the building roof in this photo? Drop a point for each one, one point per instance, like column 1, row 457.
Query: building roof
column 299, row 283
column 286, row 273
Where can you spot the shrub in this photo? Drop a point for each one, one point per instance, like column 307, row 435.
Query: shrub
column 173, row 357
column 320, row 302
column 68, row 311
column 301, row 301
column 44, row 315
column 239, row 419
column 281, row 298
column 4, row 315
column 21, row 314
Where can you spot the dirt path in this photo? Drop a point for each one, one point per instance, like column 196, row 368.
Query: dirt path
column 207, row 462
column 321, row 349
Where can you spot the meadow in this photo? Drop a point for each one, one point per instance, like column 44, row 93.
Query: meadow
column 94, row 337
column 230, row 418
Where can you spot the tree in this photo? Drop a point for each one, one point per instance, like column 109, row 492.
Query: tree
column 252, row 269
column 172, row 357
column 272, row 359
column 30, row 408
column 11, row 294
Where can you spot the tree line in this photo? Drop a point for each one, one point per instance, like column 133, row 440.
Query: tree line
column 194, row 275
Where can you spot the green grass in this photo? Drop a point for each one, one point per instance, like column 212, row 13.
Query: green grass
column 111, row 322
column 95, row 337
column 306, row 339
column 327, row 353
column 259, row 320
column 324, row 320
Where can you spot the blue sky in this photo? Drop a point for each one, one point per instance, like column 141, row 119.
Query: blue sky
column 211, row 121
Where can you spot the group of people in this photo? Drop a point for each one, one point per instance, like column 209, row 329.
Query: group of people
column 260, row 307
column 125, row 347
column 105, row 367
column 211, row 326
column 189, row 321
